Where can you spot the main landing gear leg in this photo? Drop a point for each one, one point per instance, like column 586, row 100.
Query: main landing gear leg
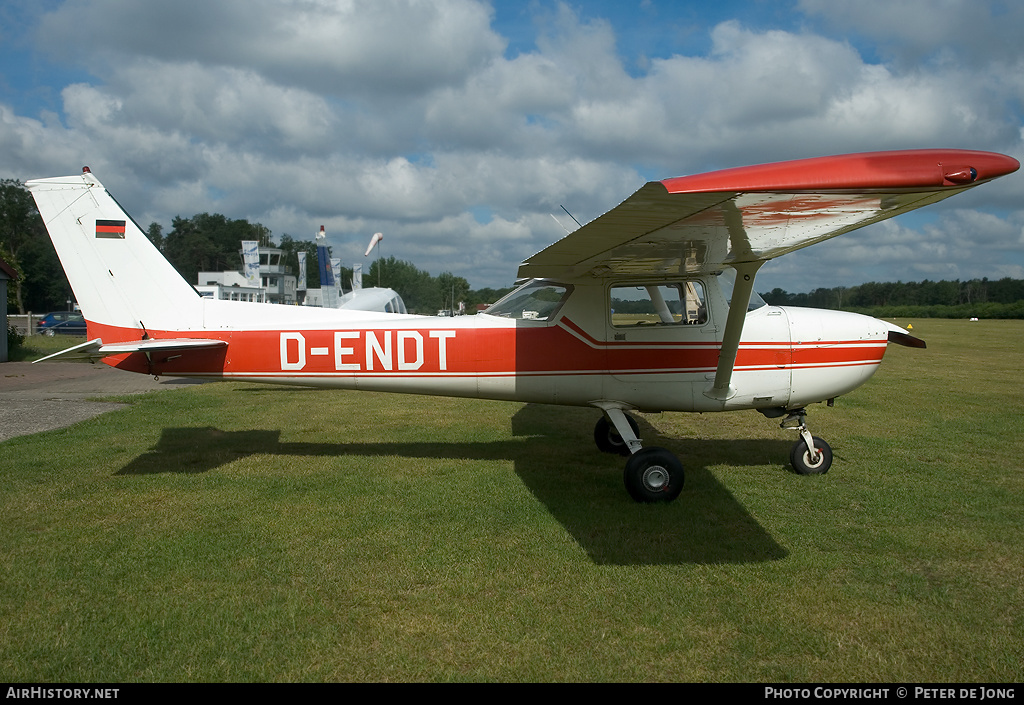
column 811, row 455
column 651, row 474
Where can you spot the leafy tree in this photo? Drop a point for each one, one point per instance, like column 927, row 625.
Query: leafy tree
column 290, row 258
column 418, row 289
column 19, row 225
column 24, row 244
column 942, row 299
column 209, row 243
column 155, row 233
column 453, row 289
column 486, row 295
column 14, row 339
column 45, row 286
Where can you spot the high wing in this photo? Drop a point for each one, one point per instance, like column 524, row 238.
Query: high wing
column 698, row 224
column 746, row 216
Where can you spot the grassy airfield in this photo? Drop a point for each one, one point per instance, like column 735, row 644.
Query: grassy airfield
column 231, row 532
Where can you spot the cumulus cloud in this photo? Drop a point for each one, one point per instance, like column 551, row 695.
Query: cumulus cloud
column 330, row 46
column 959, row 244
column 913, row 31
column 412, row 117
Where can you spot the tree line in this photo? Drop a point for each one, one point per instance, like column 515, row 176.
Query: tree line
column 981, row 298
column 25, row 246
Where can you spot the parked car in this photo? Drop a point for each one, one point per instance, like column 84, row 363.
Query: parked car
column 64, row 322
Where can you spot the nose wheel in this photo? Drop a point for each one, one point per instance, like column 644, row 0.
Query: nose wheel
column 810, row 455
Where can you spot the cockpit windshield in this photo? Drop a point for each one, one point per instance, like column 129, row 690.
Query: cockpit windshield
column 536, row 300
column 727, row 280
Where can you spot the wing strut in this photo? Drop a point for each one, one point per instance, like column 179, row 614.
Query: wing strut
column 722, row 388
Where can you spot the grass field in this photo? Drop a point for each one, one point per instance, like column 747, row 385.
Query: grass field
column 37, row 346
column 227, row 532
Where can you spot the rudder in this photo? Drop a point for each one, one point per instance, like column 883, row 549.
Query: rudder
column 122, row 282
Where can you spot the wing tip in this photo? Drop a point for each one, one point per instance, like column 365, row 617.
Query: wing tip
column 902, row 169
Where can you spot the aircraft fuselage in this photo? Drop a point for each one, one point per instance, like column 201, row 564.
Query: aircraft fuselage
column 580, row 354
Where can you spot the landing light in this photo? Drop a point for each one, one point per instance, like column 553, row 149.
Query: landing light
column 961, row 175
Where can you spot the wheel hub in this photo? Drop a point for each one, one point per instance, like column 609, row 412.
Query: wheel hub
column 655, row 478
column 811, row 461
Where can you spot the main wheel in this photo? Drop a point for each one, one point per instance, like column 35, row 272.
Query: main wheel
column 800, row 457
column 654, row 475
column 608, row 439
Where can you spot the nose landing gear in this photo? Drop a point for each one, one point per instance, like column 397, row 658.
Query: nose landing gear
column 810, row 455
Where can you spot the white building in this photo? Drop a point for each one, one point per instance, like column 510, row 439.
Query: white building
column 277, row 285
column 229, row 286
column 275, row 277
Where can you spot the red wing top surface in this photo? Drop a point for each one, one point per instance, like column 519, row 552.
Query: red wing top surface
column 698, row 224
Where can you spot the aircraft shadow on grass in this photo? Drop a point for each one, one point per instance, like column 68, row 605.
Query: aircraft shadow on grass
column 707, row 525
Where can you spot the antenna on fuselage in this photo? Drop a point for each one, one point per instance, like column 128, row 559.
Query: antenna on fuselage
column 570, row 215
column 567, row 231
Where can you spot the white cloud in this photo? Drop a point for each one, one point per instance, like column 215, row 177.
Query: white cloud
column 334, row 47
column 410, row 118
column 959, row 244
column 913, row 31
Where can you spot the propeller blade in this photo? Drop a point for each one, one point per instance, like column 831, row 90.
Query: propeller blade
column 906, row 339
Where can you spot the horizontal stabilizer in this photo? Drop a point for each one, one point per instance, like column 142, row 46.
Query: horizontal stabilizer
column 85, row 351
column 95, row 349
column 160, row 345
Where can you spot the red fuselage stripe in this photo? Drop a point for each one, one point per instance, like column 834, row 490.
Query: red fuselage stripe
column 466, row 352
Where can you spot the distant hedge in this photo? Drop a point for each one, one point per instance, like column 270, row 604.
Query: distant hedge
column 974, row 298
column 982, row 310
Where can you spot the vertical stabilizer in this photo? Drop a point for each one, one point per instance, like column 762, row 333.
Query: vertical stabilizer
column 119, row 278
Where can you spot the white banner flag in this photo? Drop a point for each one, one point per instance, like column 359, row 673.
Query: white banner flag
column 251, row 262
column 336, row 269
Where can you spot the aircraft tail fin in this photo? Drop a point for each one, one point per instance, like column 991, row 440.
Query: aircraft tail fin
column 121, row 281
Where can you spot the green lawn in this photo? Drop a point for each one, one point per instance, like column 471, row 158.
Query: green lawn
column 231, row 532
column 37, row 346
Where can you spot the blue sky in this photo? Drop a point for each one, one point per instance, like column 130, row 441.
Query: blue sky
column 457, row 127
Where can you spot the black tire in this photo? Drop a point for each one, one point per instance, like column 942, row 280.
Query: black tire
column 800, row 457
column 608, row 439
column 654, row 475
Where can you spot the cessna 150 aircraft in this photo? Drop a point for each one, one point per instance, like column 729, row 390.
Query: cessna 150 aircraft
column 649, row 307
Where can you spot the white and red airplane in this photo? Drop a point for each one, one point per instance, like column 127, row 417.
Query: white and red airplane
column 649, row 307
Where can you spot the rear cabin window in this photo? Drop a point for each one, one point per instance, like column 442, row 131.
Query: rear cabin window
column 674, row 304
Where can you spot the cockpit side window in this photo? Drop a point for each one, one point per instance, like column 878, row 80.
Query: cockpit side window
column 675, row 303
column 536, row 300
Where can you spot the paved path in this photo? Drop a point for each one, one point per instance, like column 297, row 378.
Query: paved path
column 50, row 395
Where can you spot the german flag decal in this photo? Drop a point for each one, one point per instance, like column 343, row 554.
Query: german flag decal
column 110, row 229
